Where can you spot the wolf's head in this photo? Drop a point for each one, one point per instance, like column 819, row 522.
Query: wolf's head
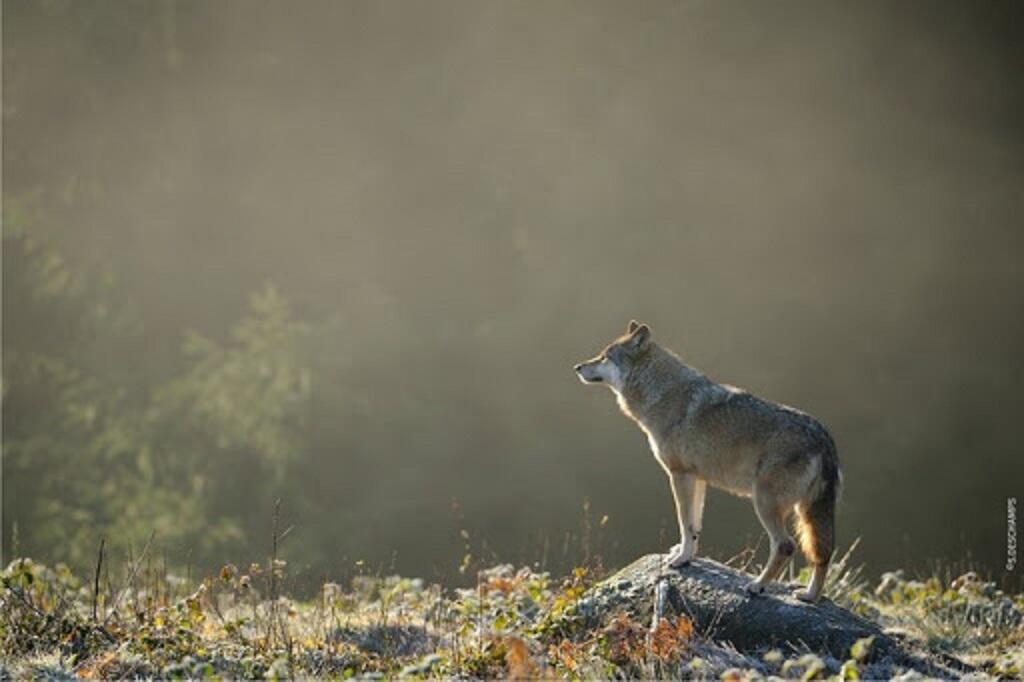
column 613, row 365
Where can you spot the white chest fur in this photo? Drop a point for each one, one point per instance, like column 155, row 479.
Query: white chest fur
column 669, row 460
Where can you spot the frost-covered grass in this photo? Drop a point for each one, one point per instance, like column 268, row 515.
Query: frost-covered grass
column 241, row 624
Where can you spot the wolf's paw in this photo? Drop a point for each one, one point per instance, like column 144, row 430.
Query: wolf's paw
column 806, row 597
column 754, row 588
column 677, row 562
column 678, row 557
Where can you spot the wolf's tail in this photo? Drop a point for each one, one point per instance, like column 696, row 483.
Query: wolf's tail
column 816, row 517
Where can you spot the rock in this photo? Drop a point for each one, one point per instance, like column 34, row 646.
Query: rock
column 713, row 596
column 387, row 640
column 423, row 668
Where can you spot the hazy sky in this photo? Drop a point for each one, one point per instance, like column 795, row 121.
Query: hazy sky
column 817, row 201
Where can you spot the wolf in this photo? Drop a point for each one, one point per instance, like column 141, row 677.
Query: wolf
column 703, row 432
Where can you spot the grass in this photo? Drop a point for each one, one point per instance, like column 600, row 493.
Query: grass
column 241, row 623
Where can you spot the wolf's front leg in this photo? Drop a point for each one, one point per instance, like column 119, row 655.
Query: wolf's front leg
column 688, row 493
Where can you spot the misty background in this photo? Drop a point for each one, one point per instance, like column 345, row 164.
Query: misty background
column 345, row 254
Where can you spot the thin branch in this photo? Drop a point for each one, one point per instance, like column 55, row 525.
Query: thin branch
column 131, row 576
column 96, row 579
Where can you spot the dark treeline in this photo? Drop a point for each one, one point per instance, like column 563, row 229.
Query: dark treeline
column 345, row 254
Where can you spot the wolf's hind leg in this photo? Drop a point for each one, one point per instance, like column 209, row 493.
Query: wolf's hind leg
column 684, row 491
column 813, row 591
column 772, row 514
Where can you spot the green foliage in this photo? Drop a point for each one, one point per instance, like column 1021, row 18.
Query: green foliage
column 861, row 648
column 153, row 625
column 248, row 395
column 92, row 452
column 965, row 614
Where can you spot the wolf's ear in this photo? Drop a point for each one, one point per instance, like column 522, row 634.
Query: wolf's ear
column 639, row 335
column 632, row 326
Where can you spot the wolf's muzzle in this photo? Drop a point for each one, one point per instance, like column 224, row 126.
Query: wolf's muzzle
column 587, row 377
